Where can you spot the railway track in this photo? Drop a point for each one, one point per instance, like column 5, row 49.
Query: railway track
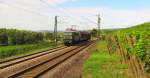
column 17, row 60
column 35, row 67
column 8, row 60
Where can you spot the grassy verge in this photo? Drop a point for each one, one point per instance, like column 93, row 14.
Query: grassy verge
column 102, row 65
column 13, row 51
column 26, row 53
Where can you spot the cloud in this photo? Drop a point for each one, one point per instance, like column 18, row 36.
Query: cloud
column 35, row 15
column 116, row 18
column 59, row 1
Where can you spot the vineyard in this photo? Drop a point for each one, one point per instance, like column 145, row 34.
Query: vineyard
column 132, row 45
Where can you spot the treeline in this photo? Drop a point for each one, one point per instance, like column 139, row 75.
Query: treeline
column 16, row 37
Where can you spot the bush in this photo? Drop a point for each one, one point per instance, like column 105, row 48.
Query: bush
column 15, row 37
column 3, row 38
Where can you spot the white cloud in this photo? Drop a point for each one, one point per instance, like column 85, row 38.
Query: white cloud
column 35, row 15
column 116, row 18
column 59, row 1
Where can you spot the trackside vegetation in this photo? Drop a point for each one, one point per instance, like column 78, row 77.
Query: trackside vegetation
column 17, row 37
column 9, row 51
column 103, row 65
column 120, row 51
column 16, row 42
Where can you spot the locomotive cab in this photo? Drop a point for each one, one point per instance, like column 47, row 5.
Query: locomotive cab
column 71, row 37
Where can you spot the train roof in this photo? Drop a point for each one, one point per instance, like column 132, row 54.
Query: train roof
column 71, row 31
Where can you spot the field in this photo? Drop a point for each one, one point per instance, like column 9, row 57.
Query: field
column 17, row 50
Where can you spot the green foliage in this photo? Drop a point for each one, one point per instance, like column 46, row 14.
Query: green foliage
column 147, row 64
column 138, row 35
column 9, row 51
column 140, row 46
column 136, row 40
column 3, row 38
column 20, row 41
column 122, row 66
column 102, row 65
column 48, row 36
column 15, row 37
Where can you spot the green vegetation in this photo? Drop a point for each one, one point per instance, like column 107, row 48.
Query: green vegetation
column 15, row 37
column 27, row 53
column 17, row 42
column 102, row 65
column 9, row 51
column 133, row 41
column 136, row 41
column 138, row 34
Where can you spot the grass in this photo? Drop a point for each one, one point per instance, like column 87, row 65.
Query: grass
column 17, row 50
column 102, row 65
column 26, row 53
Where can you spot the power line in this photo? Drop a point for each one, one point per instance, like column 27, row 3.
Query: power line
column 69, row 13
column 89, row 20
column 60, row 9
column 24, row 9
column 53, row 6
column 83, row 17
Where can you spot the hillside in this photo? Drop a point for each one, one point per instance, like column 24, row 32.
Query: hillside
column 134, row 42
column 141, row 27
column 145, row 26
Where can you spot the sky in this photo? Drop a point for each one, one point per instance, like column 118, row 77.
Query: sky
column 79, row 14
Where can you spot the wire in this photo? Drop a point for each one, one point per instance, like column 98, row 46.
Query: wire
column 24, row 9
column 89, row 20
column 83, row 17
column 53, row 6
column 68, row 12
column 60, row 9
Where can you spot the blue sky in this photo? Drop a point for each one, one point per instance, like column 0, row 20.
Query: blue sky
column 118, row 4
column 39, row 14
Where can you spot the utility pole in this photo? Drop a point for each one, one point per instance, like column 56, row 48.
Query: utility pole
column 99, row 25
column 55, row 30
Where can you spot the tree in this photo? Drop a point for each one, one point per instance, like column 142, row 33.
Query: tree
column 3, row 38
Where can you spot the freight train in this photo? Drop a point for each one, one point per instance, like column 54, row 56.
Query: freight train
column 73, row 37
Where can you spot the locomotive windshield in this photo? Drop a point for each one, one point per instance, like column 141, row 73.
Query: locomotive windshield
column 68, row 35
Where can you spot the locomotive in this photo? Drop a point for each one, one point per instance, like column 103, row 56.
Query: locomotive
column 72, row 37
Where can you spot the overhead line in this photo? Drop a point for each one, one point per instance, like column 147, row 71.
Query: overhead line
column 83, row 17
column 69, row 13
column 24, row 9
